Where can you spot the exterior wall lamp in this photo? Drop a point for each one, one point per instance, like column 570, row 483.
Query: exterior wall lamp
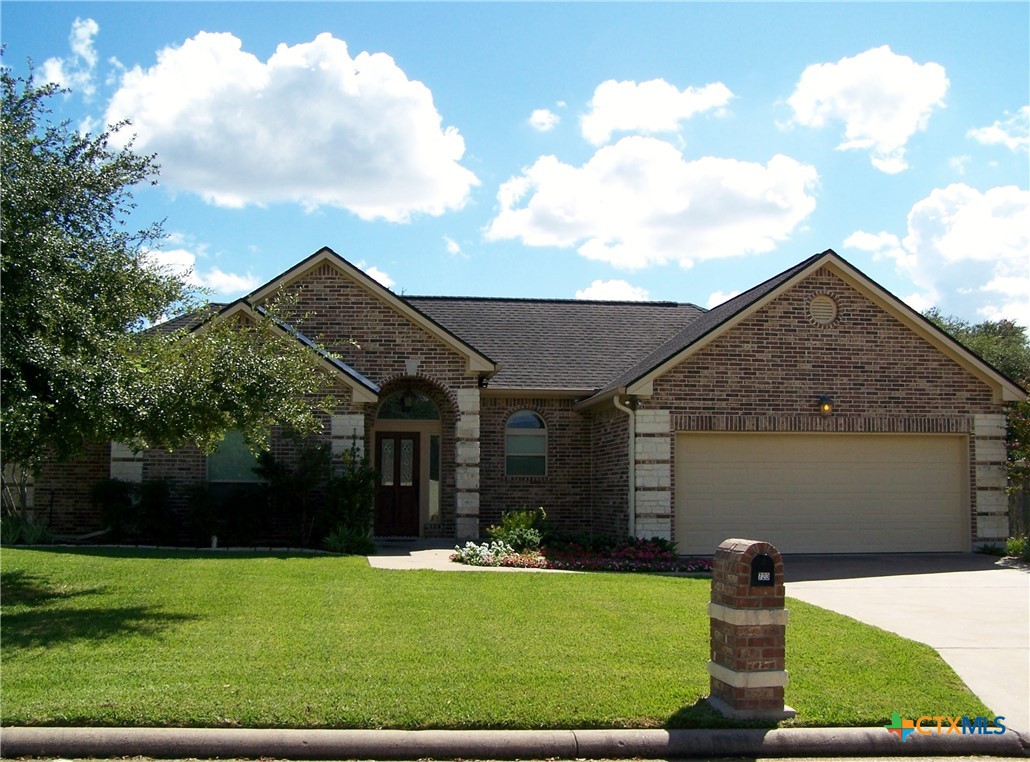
column 826, row 405
column 408, row 401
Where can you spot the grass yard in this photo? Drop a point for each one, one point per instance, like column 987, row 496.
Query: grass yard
column 134, row 638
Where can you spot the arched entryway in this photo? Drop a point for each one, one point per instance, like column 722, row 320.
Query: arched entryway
column 406, row 454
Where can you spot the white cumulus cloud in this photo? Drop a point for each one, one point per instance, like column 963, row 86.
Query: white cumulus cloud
column 882, row 98
column 718, row 297
column 638, row 202
column 967, row 251
column 311, row 125
column 613, row 291
column 183, row 262
column 376, row 274
column 1013, row 132
column 543, row 120
column 647, row 107
column 76, row 71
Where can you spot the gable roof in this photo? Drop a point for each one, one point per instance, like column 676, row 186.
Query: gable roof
column 568, row 345
column 477, row 361
column 590, row 349
column 362, row 389
column 638, row 378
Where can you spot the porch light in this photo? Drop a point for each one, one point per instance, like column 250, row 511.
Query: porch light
column 825, row 405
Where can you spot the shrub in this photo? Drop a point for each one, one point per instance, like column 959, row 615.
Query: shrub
column 16, row 530
column 290, row 488
column 134, row 511
column 519, row 529
column 350, row 495
column 482, row 555
column 154, row 512
column 203, row 513
column 1018, row 547
column 628, row 555
column 344, row 539
column 115, row 500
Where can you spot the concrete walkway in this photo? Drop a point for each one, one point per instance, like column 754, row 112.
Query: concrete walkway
column 971, row 608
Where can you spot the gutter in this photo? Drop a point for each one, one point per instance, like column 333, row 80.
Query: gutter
column 631, row 470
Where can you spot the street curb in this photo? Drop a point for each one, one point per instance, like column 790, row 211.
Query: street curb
column 209, row 743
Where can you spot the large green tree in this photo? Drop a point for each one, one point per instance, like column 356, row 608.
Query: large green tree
column 1004, row 345
column 79, row 292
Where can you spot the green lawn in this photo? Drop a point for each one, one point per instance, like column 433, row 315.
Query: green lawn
column 214, row 639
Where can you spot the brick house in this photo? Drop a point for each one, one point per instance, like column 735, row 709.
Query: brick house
column 815, row 411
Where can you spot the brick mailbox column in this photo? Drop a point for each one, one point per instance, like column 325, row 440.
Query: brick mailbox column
column 748, row 628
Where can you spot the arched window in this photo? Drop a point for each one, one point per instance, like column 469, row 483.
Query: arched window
column 408, row 406
column 525, row 445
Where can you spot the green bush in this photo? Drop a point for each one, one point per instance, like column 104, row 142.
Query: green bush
column 291, row 490
column 116, row 502
column 16, row 530
column 205, row 513
column 344, row 539
column 350, row 495
column 135, row 512
column 519, row 529
column 156, row 523
column 1018, row 547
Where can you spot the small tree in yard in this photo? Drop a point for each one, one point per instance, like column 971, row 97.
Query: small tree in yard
column 79, row 290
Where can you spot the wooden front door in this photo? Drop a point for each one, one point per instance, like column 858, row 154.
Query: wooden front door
column 397, row 503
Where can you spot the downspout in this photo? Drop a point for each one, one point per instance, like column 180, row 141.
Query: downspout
column 632, row 496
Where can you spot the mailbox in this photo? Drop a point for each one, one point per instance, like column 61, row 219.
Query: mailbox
column 762, row 571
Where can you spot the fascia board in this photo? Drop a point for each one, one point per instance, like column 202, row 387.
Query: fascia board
column 1003, row 388
column 598, row 399
column 477, row 362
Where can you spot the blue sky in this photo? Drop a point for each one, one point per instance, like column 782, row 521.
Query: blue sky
column 672, row 151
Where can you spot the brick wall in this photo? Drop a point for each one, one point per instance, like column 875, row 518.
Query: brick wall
column 61, row 493
column 609, row 483
column 768, row 372
column 370, row 335
column 771, row 369
column 565, row 491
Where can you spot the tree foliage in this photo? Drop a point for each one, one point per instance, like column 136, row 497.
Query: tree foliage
column 1004, row 345
column 79, row 291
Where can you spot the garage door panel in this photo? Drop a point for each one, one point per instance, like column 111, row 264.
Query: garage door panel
column 810, row 493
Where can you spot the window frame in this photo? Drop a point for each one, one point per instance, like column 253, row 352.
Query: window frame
column 540, row 433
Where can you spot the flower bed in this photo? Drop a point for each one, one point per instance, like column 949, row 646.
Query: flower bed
column 626, row 556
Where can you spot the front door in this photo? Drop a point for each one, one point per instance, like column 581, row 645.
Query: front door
column 397, row 503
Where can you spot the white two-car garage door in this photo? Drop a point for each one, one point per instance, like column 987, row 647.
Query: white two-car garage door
column 822, row 493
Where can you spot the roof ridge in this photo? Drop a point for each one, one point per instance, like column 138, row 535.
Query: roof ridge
column 545, row 300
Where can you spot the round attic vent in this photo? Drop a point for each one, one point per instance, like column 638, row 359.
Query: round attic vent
column 822, row 309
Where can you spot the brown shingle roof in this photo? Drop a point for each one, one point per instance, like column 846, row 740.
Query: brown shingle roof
column 558, row 344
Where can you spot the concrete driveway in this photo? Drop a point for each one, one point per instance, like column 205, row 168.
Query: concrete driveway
column 973, row 609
